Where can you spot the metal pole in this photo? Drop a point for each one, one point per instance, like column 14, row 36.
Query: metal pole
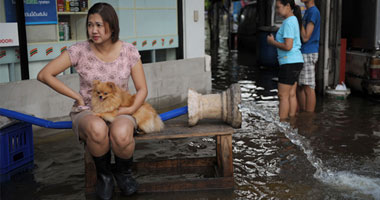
column 180, row 50
column 11, row 70
column 326, row 46
column 153, row 55
column 338, row 42
column 22, row 40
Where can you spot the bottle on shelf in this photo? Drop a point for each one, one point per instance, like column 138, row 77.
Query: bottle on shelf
column 60, row 5
column 67, row 5
column 83, row 5
column 64, row 31
column 74, row 6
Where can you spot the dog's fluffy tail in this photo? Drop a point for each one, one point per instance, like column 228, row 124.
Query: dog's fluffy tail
column 148, row 120
column 154, row 124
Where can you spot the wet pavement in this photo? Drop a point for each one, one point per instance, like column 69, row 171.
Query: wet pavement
column 332, row 154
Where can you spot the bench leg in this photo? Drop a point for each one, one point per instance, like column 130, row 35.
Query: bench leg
column 90, row 172
column 224, row 155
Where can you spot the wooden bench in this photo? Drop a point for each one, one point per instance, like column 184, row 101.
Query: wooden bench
column 217, row 171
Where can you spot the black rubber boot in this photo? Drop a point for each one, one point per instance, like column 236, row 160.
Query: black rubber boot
column 104, row 183
column 123, row 175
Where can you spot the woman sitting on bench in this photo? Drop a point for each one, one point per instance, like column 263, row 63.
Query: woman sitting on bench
column 102, row 57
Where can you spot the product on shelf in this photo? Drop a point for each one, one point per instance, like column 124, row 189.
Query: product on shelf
column 83, row 5
column 74, row 6
column 60, row 5
column 67, row 5
column 64, row 31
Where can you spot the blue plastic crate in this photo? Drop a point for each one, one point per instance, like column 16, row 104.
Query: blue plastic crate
column 18, row 173
column 16, row 146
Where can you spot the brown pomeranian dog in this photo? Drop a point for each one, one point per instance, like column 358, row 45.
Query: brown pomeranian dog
column 107, row 98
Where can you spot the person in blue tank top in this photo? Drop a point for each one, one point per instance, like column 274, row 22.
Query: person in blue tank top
column 288, row 43
column 310, row 34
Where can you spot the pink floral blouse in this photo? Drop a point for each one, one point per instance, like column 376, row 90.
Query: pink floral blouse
column 90, row 67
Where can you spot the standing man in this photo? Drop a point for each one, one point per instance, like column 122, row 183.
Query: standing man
column 310, row 34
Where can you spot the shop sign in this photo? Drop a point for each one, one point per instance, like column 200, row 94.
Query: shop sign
column 36, row 11
column 8, row 34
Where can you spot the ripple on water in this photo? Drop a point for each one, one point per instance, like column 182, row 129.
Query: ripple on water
column 343, row 183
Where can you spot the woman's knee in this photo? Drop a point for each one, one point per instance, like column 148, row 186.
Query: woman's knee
column 283, row 91
column 292, row 94
column 283, row 95
column 97, row 130
column 122, row 133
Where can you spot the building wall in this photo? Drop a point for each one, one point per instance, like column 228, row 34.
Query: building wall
column 168, row 84
column 193, row 29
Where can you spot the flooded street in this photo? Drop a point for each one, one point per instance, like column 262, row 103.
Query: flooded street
column 332, row 154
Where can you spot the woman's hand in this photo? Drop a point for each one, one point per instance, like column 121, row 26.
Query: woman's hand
column 79, row 101
column 125, row 111
column 286, row 46
column 270, row 39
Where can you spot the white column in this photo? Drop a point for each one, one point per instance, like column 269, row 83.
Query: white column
column 193, row 28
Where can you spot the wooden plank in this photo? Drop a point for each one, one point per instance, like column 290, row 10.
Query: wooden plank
column 225, row 154
column 178, row 128
column 174, row 163
column 220, row 183
column 218, row 155
column 204, row 167
column 180, row 135
column 188, row 185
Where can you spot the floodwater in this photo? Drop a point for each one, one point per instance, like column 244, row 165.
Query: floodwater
column 331, row 154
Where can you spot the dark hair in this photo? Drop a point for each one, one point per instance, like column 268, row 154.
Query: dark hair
column 109, row 16
column 296, row 10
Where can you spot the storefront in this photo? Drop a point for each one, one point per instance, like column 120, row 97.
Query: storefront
column 51, row 26
column 171, row 31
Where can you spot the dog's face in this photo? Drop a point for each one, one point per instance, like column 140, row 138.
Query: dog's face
column 103, row 90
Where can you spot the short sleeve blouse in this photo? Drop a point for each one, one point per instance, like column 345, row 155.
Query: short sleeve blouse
column 90, row 67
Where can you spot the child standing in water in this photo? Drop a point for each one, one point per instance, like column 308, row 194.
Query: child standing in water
column 288, row 43
column 310, row 34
